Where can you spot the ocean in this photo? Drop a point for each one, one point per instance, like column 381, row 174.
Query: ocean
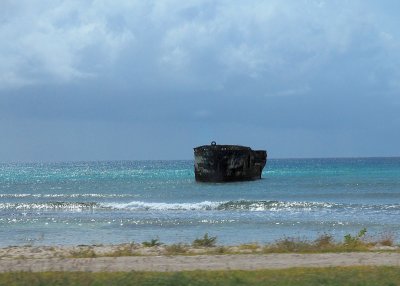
column 76, row 203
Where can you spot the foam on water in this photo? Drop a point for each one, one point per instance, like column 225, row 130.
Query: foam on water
column 50, row 206
column 243, row 205
column 139, row 205
column 94, row 195
column 240, row 205
column 87, row 202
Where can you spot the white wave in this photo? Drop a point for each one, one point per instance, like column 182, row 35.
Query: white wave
column 240, row 205
column 48, row 206
column 139, row 205
column 244, row 205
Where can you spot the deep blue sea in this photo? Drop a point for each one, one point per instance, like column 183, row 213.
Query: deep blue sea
column 125, row 201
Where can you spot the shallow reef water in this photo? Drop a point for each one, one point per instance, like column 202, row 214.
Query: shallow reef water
column 124, row 201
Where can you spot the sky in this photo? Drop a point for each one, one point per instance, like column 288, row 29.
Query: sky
column 138, row 80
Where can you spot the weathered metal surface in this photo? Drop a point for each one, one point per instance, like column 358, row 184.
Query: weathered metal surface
column 227, row 163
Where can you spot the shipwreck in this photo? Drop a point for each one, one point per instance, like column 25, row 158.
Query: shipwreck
column 228, row 163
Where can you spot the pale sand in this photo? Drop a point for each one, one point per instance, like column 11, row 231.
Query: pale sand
column 200, row 262
column 44, row 258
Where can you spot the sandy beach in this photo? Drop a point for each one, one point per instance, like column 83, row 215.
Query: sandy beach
column 200, row 262
column 46, row 258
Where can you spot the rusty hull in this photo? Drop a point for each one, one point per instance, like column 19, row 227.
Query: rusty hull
column 228, row 163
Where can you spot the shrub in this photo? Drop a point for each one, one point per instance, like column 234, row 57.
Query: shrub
column 206, row 241
column 290, row 244
column 83, row 253
column 324, row 241
column 350, row 240
column 152, row 243
column 249, row 246
column 123, row 250
column 386, row 239
column 178, row 248
column 220, row 250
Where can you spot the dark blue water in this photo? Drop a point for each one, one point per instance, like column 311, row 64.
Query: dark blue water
column 114, row 202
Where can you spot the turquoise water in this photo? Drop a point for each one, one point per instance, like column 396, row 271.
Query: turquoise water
column 124, row 201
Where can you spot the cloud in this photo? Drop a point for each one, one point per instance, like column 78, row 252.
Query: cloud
column 53, row 40
column 270, row 47
column 278, row 43
column 102, row 79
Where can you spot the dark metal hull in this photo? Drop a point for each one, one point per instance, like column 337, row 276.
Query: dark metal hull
column 228, row 163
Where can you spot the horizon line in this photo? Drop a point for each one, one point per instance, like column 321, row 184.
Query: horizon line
column 160, row 160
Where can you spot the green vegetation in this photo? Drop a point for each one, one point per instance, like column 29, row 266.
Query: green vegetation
column 128, row 249
column 123, row 250
column 207, row 245
column 206, row 241
column 386, row 239
column 176, row 249
column 221, row 250
column 152, row 243
column 325, row 243
column 355, row 240
column 84, row 253
column 249, row 246
column 295, row 276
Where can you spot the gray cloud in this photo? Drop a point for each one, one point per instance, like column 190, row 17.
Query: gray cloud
column 55, row 41
column 193, row 43
column 323, row 74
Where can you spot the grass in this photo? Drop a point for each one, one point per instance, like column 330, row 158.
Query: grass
column 249, row 246
column 123, row 250
column 207, row 245
column 128, row 249
column 367, row 276
column 153, row 242
column 176, row 249
column 84, row 253
column 386, row 239
column 326, row 243
column 323, row 243
column 205, row 241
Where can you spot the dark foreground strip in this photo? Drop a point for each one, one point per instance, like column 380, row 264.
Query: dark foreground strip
column 330, row 276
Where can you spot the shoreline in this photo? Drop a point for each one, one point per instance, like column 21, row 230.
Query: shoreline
column 200, row 262
column 180, row 249
column 162, row 258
